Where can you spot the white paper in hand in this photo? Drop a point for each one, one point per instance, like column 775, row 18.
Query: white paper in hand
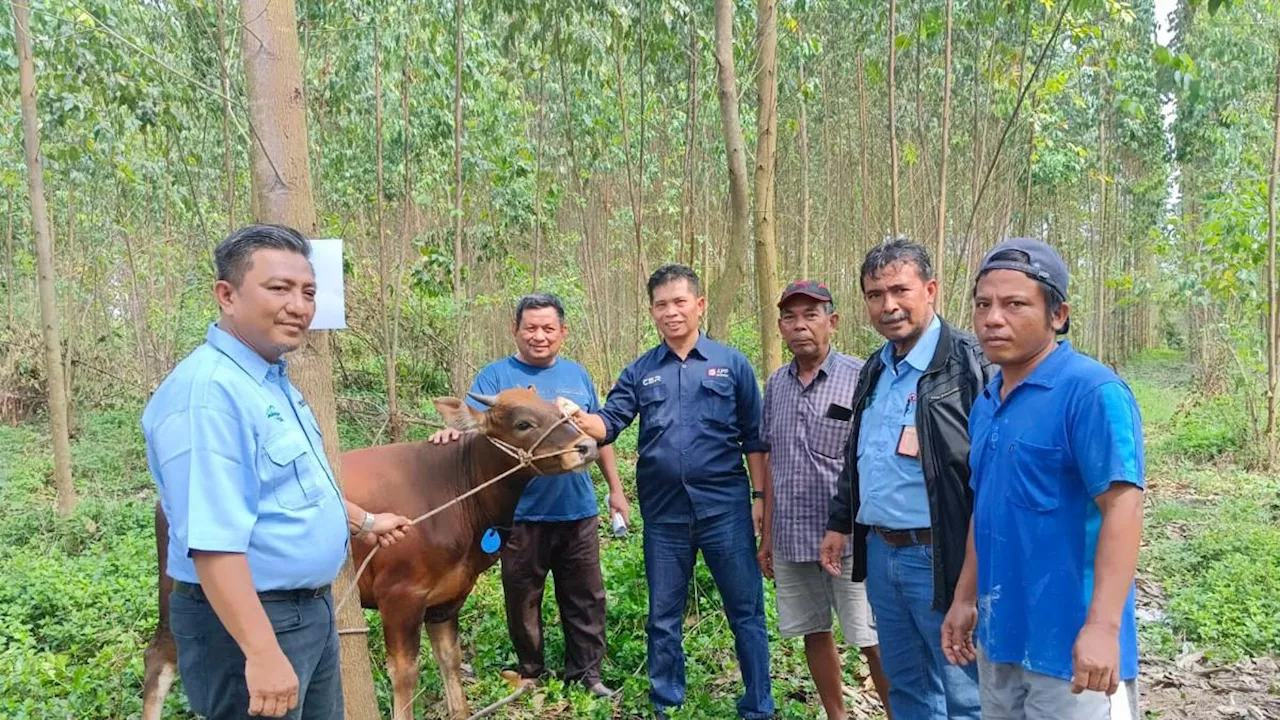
column 331, row 311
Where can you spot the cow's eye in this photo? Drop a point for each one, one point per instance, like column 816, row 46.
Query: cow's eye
column 524, row 425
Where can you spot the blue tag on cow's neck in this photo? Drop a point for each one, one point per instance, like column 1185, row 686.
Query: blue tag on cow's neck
column 491, row 541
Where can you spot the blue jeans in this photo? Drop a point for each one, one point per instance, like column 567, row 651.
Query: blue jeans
column 211, row 663
column 922, row 684
column 727, row 542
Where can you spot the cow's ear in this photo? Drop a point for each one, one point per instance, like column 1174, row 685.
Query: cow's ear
column 459, row 415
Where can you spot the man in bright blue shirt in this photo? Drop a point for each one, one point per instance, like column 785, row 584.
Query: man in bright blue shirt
column 257, row 527
column 699, row 408
column 556, row 527
column 1058, row 477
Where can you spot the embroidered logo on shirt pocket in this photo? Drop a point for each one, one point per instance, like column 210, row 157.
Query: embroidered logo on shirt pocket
column 290, row 472
column 1037, row 475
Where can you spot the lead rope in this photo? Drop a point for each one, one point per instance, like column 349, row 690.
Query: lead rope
column 525, row 458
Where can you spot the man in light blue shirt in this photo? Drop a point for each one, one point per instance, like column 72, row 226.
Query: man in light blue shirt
column 257, row 527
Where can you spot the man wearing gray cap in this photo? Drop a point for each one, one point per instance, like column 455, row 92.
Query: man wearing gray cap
column 1057, row 472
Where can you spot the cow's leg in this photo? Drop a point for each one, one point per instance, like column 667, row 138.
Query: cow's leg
column 444, row 643
column 402, row 627
column 160, row 660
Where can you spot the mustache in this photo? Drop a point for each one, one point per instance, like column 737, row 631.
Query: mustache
column 894, row 316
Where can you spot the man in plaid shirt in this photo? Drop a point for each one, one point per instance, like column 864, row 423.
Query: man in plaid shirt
column 807, row 424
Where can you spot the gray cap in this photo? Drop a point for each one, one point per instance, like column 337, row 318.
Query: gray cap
column 1043, row 264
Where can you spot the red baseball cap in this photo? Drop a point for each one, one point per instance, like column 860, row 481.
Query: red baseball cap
column 806, row 288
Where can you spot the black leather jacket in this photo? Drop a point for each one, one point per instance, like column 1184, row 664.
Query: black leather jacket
column 957, row 373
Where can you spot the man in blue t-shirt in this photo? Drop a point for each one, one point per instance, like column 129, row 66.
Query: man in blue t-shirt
column 556, row 521
column 1057, row 473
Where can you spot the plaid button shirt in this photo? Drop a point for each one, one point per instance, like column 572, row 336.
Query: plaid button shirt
column 807, row 429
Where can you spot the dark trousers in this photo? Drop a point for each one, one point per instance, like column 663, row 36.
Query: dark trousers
column 571, row 552
column 211, row 664
column 728, row 546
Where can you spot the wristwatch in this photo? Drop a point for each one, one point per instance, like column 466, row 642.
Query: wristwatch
column 757, row 494
column 366, row 525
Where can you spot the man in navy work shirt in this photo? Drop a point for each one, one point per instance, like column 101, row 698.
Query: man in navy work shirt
column 699, row 408
column 1058, row 472
column 556, row 526
column 257, row 528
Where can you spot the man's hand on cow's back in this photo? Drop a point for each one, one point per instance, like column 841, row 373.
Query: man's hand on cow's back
column 444, row 436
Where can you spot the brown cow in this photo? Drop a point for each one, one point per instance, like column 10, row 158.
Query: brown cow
column 427, row 576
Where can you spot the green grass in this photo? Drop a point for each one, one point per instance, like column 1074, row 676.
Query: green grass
column 1211, row 534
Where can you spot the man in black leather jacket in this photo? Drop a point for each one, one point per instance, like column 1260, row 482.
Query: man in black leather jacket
column 904, row 492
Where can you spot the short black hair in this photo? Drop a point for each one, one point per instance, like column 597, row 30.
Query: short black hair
column 670, row 273
column 1053, row 300
column 537, row 301
column 234, row 255
column 894, row 252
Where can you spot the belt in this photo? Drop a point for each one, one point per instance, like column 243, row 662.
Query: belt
column 903, row 538
column 198, row 593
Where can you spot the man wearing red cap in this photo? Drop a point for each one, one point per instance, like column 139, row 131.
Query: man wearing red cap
column 806, row 425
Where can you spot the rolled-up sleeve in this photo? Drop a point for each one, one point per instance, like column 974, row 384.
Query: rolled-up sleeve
column 749, row 408
column 208, row 471
column 620, row 405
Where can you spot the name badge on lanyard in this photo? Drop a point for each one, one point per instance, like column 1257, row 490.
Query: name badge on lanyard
column 909, row 441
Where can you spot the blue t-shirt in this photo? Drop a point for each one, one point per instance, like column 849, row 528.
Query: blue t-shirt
column 547, row 498
column 1040, row 458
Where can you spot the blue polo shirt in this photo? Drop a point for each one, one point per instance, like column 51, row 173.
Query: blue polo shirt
column 697, row 418
column 891, row 486
column 547, row 498
column 237, row 456
column 1040, row 458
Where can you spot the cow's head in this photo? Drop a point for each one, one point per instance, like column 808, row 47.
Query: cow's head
column 519, row 417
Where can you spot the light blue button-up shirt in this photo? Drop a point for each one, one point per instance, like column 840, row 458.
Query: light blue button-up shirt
column 237, row 456
column 891, row 485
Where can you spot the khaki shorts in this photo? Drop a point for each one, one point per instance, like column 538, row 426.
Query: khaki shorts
column 807, row 595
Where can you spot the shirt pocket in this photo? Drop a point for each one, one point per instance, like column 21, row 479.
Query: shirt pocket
column 654, row 413
column 828, row 437
column 718, row 403
column 290, row 471
column 1037, row 476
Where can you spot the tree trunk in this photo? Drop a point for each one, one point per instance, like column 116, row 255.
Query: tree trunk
column 460, row 383
column 281, row 181
column 395, row 428
column 55, row 379
column 726, row 287
column 1099, row 274
column 864, row 188
column 766, row 159
column 11, row 274
column 537, row 178
column 633, row 186
column 1273, row 313
column 804, row 168
column 893, row 118
column 227, row 169
column 939, row 256
column 691, row 122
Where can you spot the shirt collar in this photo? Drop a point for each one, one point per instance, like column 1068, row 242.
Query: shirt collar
column 246, row 357
column 1044, row 375
column 922, row 354
column 823, row 369
column 699, row 347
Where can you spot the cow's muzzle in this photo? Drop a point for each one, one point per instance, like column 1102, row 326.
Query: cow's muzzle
column 585, row 452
